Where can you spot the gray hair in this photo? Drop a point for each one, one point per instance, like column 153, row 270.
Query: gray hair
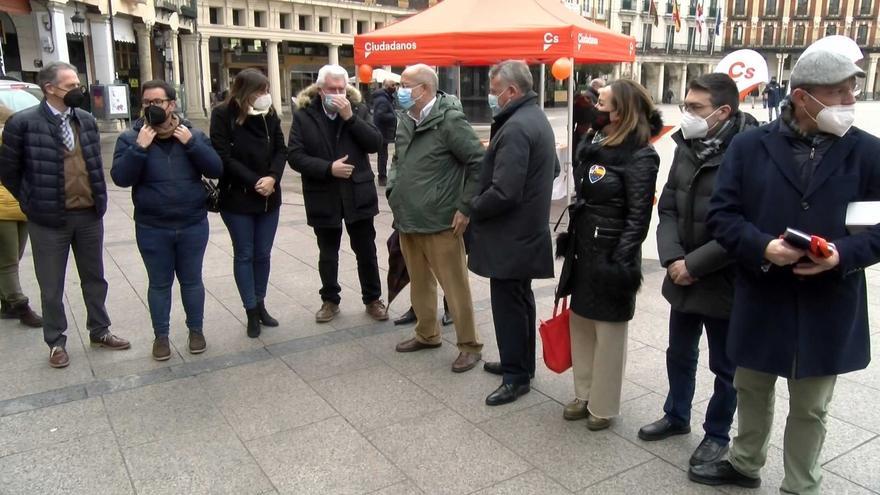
column 333, row 72
column 49, row 73
column 597, row 83
column 424, row 74
column 514, row 72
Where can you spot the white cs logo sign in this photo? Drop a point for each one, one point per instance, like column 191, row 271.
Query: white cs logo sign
column 550, row 39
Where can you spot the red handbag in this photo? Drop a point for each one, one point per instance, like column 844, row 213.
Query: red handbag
column 556, row 339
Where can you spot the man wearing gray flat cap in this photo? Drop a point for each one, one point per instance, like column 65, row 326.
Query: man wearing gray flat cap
column 800, row 310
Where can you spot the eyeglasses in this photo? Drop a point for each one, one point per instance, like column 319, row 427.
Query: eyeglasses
column 158, row 102
column 78, row 86
column 690, row 107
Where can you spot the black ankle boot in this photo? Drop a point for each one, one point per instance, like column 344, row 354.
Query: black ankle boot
column 253, row 323
column 265, row 318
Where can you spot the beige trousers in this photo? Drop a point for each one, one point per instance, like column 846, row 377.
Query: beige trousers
column 440, row 257
column 598, row 361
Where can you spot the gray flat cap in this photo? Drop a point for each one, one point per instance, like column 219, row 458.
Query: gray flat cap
column 823, row 68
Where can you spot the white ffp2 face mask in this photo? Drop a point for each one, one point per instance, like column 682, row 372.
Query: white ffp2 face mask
column 263, row 102
column 834, row 119
column 694, row 126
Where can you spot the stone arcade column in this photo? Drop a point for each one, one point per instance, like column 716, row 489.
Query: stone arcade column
column 661, row 75
column 175, row 58
column 52, row 43
column 274, row 74
column 102, row 47
column 192, row 76
column 145, row 51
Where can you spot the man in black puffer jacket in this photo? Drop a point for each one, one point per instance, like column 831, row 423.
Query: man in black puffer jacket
column 51, row 162
column 700, row 273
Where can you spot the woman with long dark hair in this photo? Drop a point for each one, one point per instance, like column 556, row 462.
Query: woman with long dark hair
column 246, row 132
column 615, row 178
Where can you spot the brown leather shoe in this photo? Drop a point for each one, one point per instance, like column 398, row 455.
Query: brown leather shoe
column 111, row 341
column 197, row 344
column 327, row 312
column 58, row 357
column 596, row 424
column 162, row 348
column 377, row 310
column 466, row 361
column 413, row 345
column 27, row 316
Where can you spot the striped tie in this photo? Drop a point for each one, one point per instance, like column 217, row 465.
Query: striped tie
column 67, row 132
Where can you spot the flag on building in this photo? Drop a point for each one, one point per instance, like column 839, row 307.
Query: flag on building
column 701, row 18
column 718, row 22
column 654, row 15
column 676, row 16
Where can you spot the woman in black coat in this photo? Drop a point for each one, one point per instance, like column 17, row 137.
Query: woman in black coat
column 615, row 179
column 246, row 132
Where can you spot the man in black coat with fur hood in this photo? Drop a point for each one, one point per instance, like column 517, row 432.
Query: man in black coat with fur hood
column 329, row 145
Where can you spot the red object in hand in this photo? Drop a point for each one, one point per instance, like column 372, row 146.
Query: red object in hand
column 817, row 246
column 556, row 339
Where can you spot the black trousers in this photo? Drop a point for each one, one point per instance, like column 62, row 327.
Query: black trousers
column 513, row 309
column 383, row 159
column 362, row 236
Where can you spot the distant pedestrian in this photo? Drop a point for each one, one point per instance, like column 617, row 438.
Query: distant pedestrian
column 385, row 119
column 246, row 132
column 170, row 215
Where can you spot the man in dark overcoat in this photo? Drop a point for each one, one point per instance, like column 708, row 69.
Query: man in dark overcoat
column 510, row 222
column 796, row 314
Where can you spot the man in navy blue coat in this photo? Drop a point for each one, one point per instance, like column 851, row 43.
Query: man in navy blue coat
column 795, row 314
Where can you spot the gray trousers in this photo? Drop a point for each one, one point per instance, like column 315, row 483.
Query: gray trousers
column 84, row 232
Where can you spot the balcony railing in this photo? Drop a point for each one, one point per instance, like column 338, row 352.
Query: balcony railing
column 670, row 48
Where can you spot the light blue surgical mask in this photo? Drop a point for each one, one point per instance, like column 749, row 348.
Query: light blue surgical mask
column 328, row 104
column 493, row 104
column 404, row 98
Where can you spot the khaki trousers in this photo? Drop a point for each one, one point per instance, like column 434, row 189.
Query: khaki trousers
column 440, row 257
column 804, row 428
column 598, row 361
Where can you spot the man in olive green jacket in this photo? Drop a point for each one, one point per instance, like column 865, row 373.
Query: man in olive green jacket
column 433, row 176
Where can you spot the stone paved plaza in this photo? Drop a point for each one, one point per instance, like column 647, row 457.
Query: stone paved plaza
column 327, row 409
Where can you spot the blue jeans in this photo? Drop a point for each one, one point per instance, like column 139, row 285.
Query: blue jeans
column 167, row 252
column 681, row 367
column 252, row 238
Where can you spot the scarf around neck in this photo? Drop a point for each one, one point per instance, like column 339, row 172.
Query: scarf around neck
column 166, row 130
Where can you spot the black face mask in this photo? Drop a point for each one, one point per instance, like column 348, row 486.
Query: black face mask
column 602, row 119
column 390, row 91
column 155, row 116
column 74, row 98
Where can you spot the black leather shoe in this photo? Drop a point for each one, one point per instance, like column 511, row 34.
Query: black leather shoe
column 721, row 473
column 493, row 367
column 407, row 318
column 506, row 394
column 709, row 451
column 446, row 320
column 660, row 429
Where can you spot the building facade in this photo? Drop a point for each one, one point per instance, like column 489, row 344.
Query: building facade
column 782, row 29
column 196, row 46
column 667, row 58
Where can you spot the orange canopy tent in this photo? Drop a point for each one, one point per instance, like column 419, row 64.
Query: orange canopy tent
column 484, row 32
